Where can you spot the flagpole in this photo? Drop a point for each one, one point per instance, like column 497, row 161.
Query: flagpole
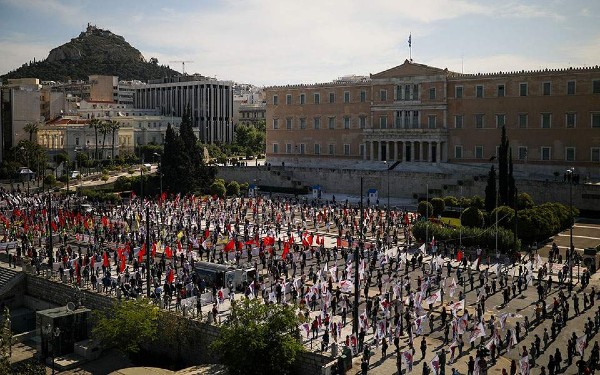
column 356, row 277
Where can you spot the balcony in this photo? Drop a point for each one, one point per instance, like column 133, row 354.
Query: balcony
column 440, row 134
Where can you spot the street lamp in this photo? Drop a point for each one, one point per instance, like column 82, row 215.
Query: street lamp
column 571, row 247
column 388, row 196
column 28, row 170
column 159, row 173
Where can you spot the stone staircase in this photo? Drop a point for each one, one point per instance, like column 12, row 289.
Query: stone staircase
column 9, row 278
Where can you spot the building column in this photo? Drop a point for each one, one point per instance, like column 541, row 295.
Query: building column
column 387, row 150
column 365, row 150
column 439, row 153
column 371, row 150
column 412, row 151
column 395, row 143
column 429, row 151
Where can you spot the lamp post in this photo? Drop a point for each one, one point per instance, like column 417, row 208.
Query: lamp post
column 53, row 335
column 571, row 247
column 27, row 165
column 159, row 173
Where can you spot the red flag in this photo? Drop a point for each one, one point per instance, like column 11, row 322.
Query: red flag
column 286, row 250
column 206, row 233
column 269, row 241
column 153, row 249
column 105, row 261
column 171, row 276
column 339, row 242
column 168, row 252
column 310, row 239
column 141, row 253
column 122, row 268
column 230, row 245
column 54, row 228
column 179, row 247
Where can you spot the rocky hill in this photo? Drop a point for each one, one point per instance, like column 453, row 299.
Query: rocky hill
column 94, row 51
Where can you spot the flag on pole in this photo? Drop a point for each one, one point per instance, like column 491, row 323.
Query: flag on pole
column 407, row 359
column 435, row 364
column 410, row 40
column 581, row 344
column 524, row 365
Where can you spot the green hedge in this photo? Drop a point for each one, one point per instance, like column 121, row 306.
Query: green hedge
column 486, row 238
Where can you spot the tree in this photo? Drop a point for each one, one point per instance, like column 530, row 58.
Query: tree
column 438, row 206
column 218, row 188
column 472, row 217
column 524, row 201
column 104, row 129
column 425, row 209
column 490, row 191
column 127, row 325
column 259, row 338
column 450, row 201
column 512, row 189
column 503, row 168
column 233, row 188
column 31, row 128
column 113, row 127
column 5, row 342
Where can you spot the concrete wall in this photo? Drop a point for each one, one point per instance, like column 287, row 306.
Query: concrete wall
column 190, row 349
column 408, row 184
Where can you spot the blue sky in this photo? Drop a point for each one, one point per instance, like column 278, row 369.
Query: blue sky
column 267, row 42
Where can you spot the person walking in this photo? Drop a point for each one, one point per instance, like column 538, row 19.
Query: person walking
column 423, row 347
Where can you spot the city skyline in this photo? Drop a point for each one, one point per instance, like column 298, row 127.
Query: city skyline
column 276, row 43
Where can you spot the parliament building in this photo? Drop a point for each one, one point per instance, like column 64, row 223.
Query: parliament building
column 417, row 113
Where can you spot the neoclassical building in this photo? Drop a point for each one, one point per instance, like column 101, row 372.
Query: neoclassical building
column 418, row 113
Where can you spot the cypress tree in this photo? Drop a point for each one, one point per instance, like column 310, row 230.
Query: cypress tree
column 511, row 182
column 503, row 168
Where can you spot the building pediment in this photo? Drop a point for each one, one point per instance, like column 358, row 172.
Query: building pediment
column 409, row 69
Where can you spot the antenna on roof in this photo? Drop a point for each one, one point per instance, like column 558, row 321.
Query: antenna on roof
column 410, row 47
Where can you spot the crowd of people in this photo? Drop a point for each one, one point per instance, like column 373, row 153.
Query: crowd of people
column 411, row 295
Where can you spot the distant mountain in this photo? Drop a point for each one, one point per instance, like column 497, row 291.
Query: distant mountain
column 94, row 51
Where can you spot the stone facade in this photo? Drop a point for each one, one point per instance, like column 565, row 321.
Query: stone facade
column 418, row 113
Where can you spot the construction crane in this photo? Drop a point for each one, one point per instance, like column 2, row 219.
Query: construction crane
column 182, row 64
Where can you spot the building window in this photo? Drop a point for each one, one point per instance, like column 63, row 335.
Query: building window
column 363, row 122
column 363, row 96
column 346, row 96
column 415, row 95
column 595, row 154
column 406, row 92
column 571, row 88
column 545, row 153
column 479, row 91
column 302, row 149
column 317, row 149
column 522, row 89
column 331, row 149
column 571, row 119
column 361, row 150
column 546, row 88
column 302, row 123
column 383, row 122
column 331, row 97
column 275, row 123
column 595, row 120
column 500, row 121
column 288, row 148
column 346, row 122
column 275, row 100
column 383, row 95
column 317, row 98
column 332, row 123
column 288, row 123
column 458, row 154
column 458, row 121
column 431, row 121
column 523, row 119
column 302, row 99
column 570, row 154
column 77, row 141
column 432, row 93
column 288, row 99
column 458, row 92
column 276, row 148
column 479, row 121
column 596, row 86
column 478, row 152
column 522, row 152
column 546, row 120
column 501, row 91
column 317, row 123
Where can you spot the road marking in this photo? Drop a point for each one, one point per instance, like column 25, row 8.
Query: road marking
column 586, row 237
column 586, row 226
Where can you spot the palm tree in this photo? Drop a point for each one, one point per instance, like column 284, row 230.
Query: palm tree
column 31, row 127
column 95, row 124
column 113, row 126
column 104, row 129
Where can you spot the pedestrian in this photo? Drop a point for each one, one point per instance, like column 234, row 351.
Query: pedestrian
column 384, row 347
column 423, row 347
